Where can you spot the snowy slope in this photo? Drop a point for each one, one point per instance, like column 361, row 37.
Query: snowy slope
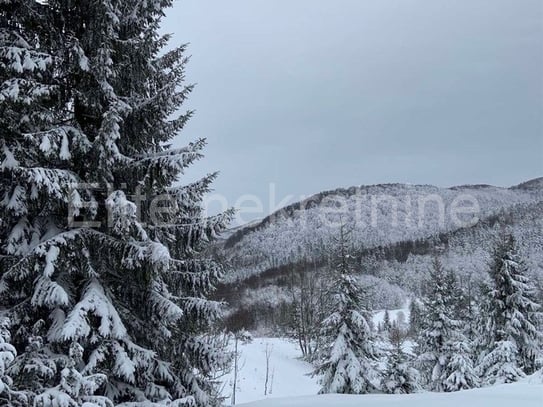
column 290, row 375
column 292, row 387
column 509, row 395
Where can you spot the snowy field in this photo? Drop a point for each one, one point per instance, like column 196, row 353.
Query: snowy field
column 289, row 376
column 292, row 386
column 522, row 394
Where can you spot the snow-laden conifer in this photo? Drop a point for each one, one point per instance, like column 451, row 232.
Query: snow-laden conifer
column 510, row 342
column 444, row 354
column 415, row 317
column 399, row 376
column 348, row 363
column 460, row 372
column 89, row 258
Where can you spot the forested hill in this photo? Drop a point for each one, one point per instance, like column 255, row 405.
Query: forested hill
column 380, row 215
column 391, row 256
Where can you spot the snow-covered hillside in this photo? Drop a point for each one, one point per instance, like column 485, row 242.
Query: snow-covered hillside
column 379, row 215
column 259, row 288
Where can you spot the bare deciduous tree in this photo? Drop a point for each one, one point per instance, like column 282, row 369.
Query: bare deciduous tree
column 268, row 352
column 240, row 337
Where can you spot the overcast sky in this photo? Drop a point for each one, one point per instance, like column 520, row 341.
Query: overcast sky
column 318, row 94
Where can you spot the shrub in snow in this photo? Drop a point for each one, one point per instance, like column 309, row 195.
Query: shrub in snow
column 34, row 369
column 386, row 322
column 74, row 389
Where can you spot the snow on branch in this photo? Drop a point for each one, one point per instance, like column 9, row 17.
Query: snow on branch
column 94, row 302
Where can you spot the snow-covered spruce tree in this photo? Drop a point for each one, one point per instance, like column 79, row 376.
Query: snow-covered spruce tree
column 510, row 342
column 460, row 372
column 348, row 359
column 415, row 317
column 86, row 104
column 444, row 354
column 386, row 322
column 500, row 364
column 399, row 376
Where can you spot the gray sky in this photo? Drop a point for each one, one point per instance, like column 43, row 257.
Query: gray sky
column 313, row 94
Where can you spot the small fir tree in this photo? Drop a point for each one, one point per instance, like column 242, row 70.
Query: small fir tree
column 399, row 376
column 386, row 322
column 460, row 373
column 348, row 362
column 415, row 317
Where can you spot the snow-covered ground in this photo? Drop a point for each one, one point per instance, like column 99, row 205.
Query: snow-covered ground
column 289, row 376
column 292, row 386
column 522, row 394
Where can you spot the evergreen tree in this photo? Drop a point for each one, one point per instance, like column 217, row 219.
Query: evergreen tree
column 466, row 307
column 415, row 318
column 460, row 372
column 386, row 322
column 350, row 355
column 99, row 278
column 444, row 354
column 399, row 377
column 510, row 343
column 500, row 363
